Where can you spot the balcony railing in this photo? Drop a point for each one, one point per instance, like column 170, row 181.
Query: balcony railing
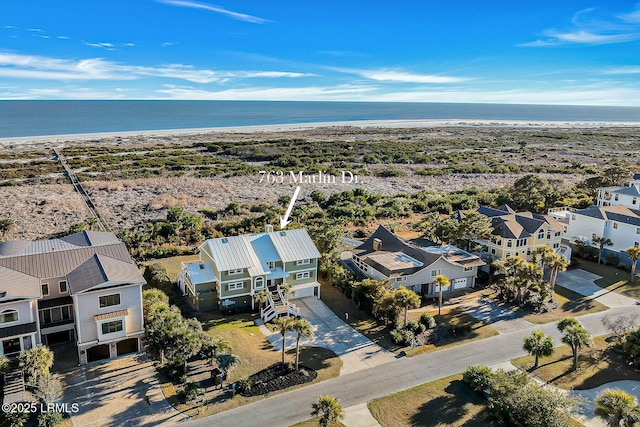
column 54, row 323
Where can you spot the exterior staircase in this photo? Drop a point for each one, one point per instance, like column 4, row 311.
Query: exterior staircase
column 14, row 388
column 276, row 306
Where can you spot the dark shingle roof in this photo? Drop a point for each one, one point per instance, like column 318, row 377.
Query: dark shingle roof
column 628, row 191
column 100, row 269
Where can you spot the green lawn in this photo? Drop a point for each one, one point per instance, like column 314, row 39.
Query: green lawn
column 444, row 402
column 453, row 317
column 599, row 364
column 255, row 353
column 570, row 304
column 173, row 265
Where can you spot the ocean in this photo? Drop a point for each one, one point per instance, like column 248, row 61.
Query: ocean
column 37, row 118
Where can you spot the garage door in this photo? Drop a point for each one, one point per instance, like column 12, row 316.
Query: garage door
column 127, row 346
column 460, row 283
column 99, row 352
column 301, row 293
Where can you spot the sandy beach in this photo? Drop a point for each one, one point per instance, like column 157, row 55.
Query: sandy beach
column 52, row 140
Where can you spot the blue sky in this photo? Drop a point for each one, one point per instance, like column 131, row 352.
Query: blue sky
column 543, row 52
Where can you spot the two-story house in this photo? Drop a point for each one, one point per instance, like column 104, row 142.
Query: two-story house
column 519, row 233
column 628, row 195
column 82, row 288
column 231, row 270
column 619, row 223
column 386, row 256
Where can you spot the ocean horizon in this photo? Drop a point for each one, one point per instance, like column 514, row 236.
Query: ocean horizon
column 40, row 118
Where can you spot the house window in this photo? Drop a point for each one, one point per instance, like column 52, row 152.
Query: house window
column 9, row 316
column 303, row 261
column 556, row 245
column 521, row 242
column 271, row 265
column 45, row 289
column 509, row 243
column 235, row 286
column 615, row 225
column 634, row 201
column 401, row 279
column 573, row 217
column 541, row 235
column 64, row 310
column 46, row 315
column 435, row 273
column 508, row 255
column 111, row 327
column 304, row 275
column 638, row 230
column 493, row 251
column 109, row 300
column 615, row 197
column 234, row 272
column 63, row 286
column 467, row 268
column 259, row 283
column 557, row 234
column 548, row 236
column 636, row 244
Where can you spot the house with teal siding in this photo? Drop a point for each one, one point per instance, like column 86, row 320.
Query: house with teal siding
column 231, row 270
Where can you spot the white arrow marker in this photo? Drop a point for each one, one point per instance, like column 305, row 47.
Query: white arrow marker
column 285, row 221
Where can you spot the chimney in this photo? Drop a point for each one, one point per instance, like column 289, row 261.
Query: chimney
column 268, row 228
column 377, row 244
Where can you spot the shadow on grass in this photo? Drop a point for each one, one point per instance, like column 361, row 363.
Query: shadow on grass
column 451, row 409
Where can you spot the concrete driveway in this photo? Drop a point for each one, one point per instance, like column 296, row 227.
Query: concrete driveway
column 503, row 319
column 589, row 418
column 113, row 393
column 356, row 351
column 582, row 282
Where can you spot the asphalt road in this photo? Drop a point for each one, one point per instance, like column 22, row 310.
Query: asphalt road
column 359, row 387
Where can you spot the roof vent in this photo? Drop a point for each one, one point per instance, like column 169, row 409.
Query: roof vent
column 268, row 228
column 377, row 244
column 224, row 240
column 283, row 233
column 201, row 266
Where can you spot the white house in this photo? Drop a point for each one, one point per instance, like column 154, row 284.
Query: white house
column 82, row 288
column 618, row 223
column 385, row 256
column 628, row 195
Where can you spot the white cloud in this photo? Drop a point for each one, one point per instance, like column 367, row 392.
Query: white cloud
column 214, row 8
column 45, row 68
column 587, row 29
column 389, row 75
column 106, row 46
column 312, row 93
column 624, row 70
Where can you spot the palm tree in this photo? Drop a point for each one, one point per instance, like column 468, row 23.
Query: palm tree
column 35, row 363
column 328, row 408
column 91, row 221
column 576, row 337
column 615, row 407
column 283, row 325
column 441, row 281
column 226, row 362
column 538, row 344
column 544, row 252
column 303, row 329
column 287, row 289
column 212, row 347
column 557, row 263
column 261, row 297
column 601, row 242
column 406, row 299
column 633, row 253
column 4, row 366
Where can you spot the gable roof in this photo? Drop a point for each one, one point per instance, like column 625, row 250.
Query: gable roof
column 628, row 191
column 29, row 262
column 19, row 285
column 253, row 251
column 101, row 269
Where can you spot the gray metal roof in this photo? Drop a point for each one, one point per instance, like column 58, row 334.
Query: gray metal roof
column 253, row 251
column 628, row 191
column 17, row 284
column 91, row 238
column 58, row 263
column 100, row 269
column 293, row 245
column 201, row 272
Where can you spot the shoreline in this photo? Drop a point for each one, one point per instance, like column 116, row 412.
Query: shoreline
column 384, row 124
